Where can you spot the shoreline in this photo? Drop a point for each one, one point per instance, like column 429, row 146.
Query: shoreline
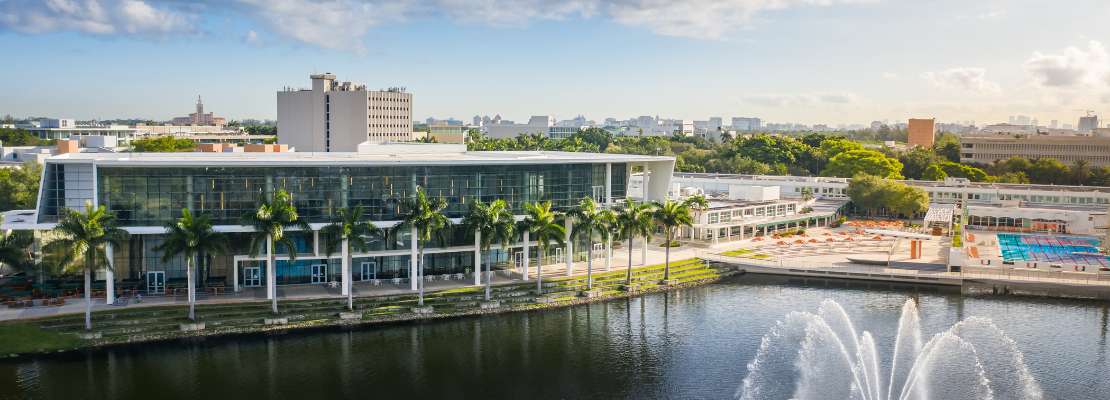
column 307, row 323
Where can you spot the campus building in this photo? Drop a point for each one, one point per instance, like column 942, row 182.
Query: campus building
column 921, row 132
column 985, row 149
column 338, row 116
column 989, row 206
column 146, row 190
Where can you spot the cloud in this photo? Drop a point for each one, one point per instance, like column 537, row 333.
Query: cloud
column 97, row 17
column 889, row 75
column 344, row 24
column 970, row 79
column 701, row 19
column 251, row 37
column 799, row 100
column 1071, row 68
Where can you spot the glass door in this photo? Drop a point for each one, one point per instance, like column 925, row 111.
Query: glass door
column 252, row 276
column 369, row 271
column 319, row 273
column 156, row 282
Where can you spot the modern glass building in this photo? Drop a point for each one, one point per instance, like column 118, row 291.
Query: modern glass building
column 146, row 190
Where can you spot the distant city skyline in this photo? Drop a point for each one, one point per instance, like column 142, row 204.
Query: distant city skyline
column 832, row 62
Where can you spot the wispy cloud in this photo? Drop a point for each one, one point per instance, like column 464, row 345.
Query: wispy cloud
column 1072, row 67
column 344, row 24
column 97, row 17
column 968, row 79
column 800, row 100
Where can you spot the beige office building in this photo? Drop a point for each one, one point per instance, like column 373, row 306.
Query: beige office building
column 921, row 132
column 1067, row 149
column 338, row 116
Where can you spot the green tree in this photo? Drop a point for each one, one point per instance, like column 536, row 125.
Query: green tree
column 963, row 171
column 1048, row 171
column 191, row 238
column 1080, row 172
column 540, row 222
column 589, row 221
column 947, row 146
column 634, row 219
column 1012, row 177
column 15, row 250
column 672, row 215
column 349, row 231
column 869, row 162
column 83, row 235
column 916, row 161
column 492, row 222
column 425, row 218
column 866, row 192
column 934, row 173
column 19, row 186
column 20, row 137
column 269, row 220
column 833, row 146
column 162, row 144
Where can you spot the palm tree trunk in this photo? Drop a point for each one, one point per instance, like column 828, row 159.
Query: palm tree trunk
column 628, row 279
column 489, row 272
column 88, row 293
column 350, row 285
column 189, row 281
column 420, row 276
column 272, row 275
column 539, row 270
column 590, row 264
column 667, row 257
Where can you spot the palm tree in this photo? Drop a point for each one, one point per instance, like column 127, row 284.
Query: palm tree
column 493, row 222
column 15, row 250
column 427, row 219
column 634, row 219
column 672, row 215
column 191, row 237
column 349, row 230
column 84, row 235
column 270, row 219
column 540, row 222
column 588, row 220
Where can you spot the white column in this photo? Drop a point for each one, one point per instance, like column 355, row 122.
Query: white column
column 413, row 259
column 646, row 183
column 608, row 184
column 109, row 277
column 235, row 275
column 570, row 246
column 316, row 243
column 477, row 257
column 643, row 251
column 525, row 253
column 271, row 280
column 346, row 267
column 608, row 253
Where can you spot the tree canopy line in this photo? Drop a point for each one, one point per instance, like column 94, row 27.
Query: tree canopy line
column 839, row 154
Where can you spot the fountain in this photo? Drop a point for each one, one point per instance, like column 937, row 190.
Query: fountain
column 829, row 359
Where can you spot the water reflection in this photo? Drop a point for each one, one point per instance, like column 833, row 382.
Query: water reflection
column 692, row 343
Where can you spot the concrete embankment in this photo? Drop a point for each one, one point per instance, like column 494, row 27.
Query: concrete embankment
column 41, row 336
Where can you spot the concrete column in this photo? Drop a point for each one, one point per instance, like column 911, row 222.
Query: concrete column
column 271, row 280
column 716, row 236
column 235, row 275
column 109, row 277
column 570, row 246
column 524, row 262
column 413, row 261
column 477, row 257
column 647, row 183
column 346, row 267
column 316, row 243
column 608, row 184
column 643, row 252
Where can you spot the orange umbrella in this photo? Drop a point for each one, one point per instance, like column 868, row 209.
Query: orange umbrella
column 813, row 240
column 878, row 237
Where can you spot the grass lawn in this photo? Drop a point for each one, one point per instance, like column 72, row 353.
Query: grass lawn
column 28, row 337
column 737, row 252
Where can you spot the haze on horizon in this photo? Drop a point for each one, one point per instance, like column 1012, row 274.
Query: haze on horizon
column 807, row 61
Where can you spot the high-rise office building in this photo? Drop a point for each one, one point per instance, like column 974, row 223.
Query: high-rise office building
column 1088, row 123
column 746, row 124
column 338, row 116
column 921, row 131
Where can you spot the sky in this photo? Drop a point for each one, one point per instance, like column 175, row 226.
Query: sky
column 806, row 61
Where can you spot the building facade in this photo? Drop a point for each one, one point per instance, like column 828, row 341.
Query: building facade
column 200, row 118
column 336, row 116
column 986, row 149
column 146, row 190
column 921, row 132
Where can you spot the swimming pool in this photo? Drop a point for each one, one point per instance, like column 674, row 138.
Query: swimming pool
column 1076, row 250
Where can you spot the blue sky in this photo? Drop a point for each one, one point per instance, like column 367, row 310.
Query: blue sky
column 811, row 61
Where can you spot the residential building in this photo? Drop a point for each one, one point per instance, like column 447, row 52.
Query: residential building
column 985, row 149
column 338, row 116
column 921, row 132
column 1087, row 123
column 146, row 190
column 745, row 124
column 200, row 118
column 443, row 133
